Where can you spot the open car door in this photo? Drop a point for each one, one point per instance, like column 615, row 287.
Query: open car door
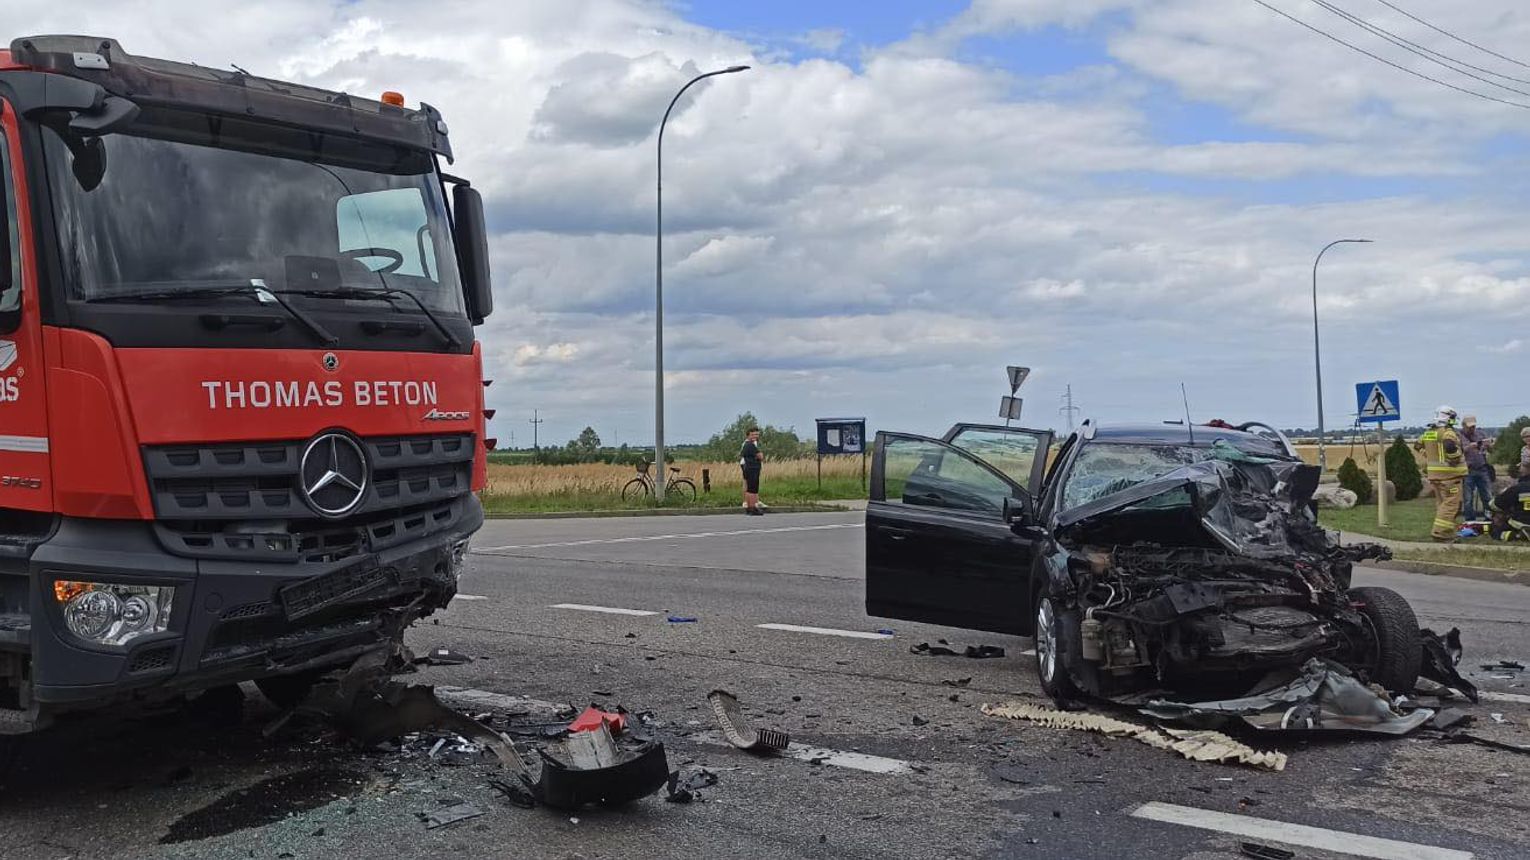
column 938, row 545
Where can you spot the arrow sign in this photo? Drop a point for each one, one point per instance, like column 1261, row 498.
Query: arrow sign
column 1017, row 377
column 1376, row 402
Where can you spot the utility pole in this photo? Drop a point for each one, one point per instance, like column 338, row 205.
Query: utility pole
column 1068, row 408
column 1317, row 354
column 536, row 425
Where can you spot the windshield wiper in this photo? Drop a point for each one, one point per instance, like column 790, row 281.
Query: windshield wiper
column 385, row 294
column 260, row 294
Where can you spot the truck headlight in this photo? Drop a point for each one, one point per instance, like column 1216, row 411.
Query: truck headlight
column 112, row 613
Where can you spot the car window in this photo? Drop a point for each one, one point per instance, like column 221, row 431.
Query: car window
column 930, row 474
column 1012, row 452
column 1103, row 468
column 10, row 299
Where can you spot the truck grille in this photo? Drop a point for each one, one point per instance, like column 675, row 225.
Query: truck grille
column 260, row 480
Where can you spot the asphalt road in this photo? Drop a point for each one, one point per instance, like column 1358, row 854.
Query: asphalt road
column 904, row 765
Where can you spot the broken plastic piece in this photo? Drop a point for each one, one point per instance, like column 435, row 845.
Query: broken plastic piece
column 449, row 815
column 685, row 791
column 1264, row 852
column 589, row 768
column 1194, row 745
column 929, row 650
column 444, row 657
column 593, row 717
column 1441, row 654
column 736, row 728
column 682, row 619
column 984, row 652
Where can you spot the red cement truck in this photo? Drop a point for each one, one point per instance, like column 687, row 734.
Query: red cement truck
column 242, row 417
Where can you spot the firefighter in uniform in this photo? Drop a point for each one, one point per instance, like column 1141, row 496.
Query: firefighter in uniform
column 1446, row 469
column 1510, row 510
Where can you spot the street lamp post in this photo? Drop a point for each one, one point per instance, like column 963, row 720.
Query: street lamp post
column 1317, row 354
column 658, row 291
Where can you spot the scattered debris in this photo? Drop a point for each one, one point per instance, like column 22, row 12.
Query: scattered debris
column 1497, row 718
column 1468, row 737
column 1326, row 695
column 687, row 790
column 1441, row 656
column 682, row 619
column 1197, row 745
column 516, row 792
column 736, row 728
column 1502, row 665
column 1264, row 852
column 443, row 657
column 1450, row 718
column 885, row 631
column 920, row 721
column 959, row 682
column 449, row 815
column 944, row 649
column 594, row 717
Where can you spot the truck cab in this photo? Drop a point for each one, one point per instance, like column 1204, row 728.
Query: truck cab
column 242, row 411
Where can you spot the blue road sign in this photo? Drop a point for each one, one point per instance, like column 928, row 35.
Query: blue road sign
column 1376, row 402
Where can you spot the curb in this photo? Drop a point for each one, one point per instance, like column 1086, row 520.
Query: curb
column 659, row 512
column 1431, row 568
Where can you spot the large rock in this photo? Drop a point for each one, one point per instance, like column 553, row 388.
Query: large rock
column 1390, row 489
column 1334, row 496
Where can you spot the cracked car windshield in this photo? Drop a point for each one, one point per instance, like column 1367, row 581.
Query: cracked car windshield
column 167, row 215
column 1103, row 468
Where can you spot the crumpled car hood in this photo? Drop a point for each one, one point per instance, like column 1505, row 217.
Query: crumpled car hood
column 1250, row 505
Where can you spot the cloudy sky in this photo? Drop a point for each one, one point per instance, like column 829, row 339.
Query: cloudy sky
column 902, row 197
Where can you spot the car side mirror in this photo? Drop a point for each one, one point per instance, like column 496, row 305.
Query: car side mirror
column 473, row 252
column 1019, row 510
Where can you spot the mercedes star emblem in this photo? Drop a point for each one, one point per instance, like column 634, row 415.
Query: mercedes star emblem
column 334, row 474
column 331, row 362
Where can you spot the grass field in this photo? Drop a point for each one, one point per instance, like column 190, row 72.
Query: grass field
column 1408, row 520
column 1470, row 556
column 597, row 486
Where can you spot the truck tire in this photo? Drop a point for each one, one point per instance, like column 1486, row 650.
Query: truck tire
column 1055, row 627
column 1398, row 648
column 289, row 691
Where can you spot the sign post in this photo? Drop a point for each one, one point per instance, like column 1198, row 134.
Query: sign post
column 1377, row 403
column 1009, row 407
column 841, row 436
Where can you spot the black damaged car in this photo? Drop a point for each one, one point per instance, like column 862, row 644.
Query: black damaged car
column 1160, row 560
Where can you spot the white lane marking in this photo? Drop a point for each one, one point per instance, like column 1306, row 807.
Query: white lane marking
column 824, row 631
column 26, row 444
column 1029, row 652
column 1295, row 834
column 677, row 536
column 824, row 755
column 609, row 610
column 1492, row 696
column 471, row 597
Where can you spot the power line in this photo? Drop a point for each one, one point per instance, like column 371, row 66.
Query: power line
column 1445, row 32
column 1353, row 47
column 1432, row 56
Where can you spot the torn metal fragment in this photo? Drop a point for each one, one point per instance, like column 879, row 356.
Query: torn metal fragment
column 1441, row 655
column 736, row 728
column 1197, row 745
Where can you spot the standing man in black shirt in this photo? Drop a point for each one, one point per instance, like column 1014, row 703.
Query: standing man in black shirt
column 751, row 460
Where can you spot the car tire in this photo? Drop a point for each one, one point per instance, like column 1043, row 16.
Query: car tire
column 289, row 691
column 1399, row 647
column 1053, row 628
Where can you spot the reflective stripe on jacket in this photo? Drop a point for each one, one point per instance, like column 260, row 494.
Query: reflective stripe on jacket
column 1442, row 453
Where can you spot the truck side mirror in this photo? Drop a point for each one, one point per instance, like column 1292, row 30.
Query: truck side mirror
column 473, row 252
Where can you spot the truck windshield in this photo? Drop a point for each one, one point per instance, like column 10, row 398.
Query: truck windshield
column 177, row 212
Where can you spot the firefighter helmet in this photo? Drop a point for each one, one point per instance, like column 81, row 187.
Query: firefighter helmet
column 1445, row 415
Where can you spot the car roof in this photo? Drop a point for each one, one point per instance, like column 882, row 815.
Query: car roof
column 1179, row 434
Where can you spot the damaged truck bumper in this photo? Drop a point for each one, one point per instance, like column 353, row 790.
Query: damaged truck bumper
column 228, row 620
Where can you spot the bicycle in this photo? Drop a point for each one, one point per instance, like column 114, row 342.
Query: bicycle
column 642, row 486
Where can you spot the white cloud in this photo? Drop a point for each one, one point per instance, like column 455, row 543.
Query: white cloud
column 883, row 237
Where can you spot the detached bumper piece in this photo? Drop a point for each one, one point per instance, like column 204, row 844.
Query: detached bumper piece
column 589, row 768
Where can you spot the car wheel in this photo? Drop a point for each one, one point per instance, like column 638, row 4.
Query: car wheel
column 1052, row 630
column 289, row 691
column 1398, row 649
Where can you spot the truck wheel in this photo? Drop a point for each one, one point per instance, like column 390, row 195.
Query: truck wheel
column 1054, row 627
column 1398, row 649
column 289, row 691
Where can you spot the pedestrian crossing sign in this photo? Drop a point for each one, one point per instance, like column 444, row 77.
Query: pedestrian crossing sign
column 1377, row 401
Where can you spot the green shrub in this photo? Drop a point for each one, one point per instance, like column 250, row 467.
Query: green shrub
column 1506, row 448
column 1403, row 471
column 1354, row 479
